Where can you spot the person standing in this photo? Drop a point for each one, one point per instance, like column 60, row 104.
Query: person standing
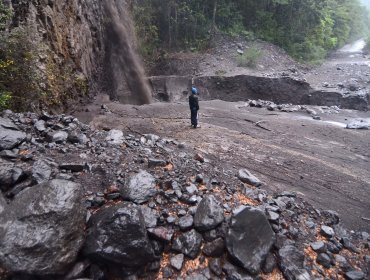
column 194, row 107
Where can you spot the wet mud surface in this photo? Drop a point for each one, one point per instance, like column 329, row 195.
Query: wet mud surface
column 322, row 161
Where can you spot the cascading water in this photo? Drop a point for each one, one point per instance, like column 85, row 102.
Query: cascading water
column 123, row 65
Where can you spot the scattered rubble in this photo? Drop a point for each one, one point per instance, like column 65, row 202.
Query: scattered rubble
column 152, row 209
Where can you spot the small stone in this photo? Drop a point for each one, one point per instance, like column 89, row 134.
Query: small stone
column 199, row 158
column 327, row 231
column 215, row 266
column 177, row 261
column 162, row 233
column 355, row 275
column 59, row 137
column 186, row 222
column 246, row 177
column 318, row 246
column 215, row 248
column 192, row 189
column 153, row 162
column 324, row 260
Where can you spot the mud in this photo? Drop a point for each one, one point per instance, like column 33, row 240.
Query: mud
column 321, row 160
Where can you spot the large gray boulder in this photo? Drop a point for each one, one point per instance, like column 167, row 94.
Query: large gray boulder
column 10, row 136
column 41, row 231
column 250, row 239
column 118, row 235
column 139, row 188
column 209, row 214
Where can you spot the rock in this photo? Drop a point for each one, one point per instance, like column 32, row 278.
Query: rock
column 186, row 222
column 291, row 262
column 318, row 246
column 10, row 136
column 162, row 233
column 77, row 271
column 199, row 158
column 153, row 162
column 41, row 171
column 246, row 177
column 331, row 217
column 269, row 264
column 250, row 239
column 273, row 217
column 7, row 124
column 355, row 275
column 209, row 214
column 41, row 231
column 188, row 243
column 192, row 189
column 150, row 216
column 324, row 260
column 73, row 167
column 8, row 154
column 215, row 248
column 215, row 266
column 2, row 203
column 177, row 261
column 115, row 137
column 239, row 51
column 9, row 176
column 59, row 137
column 359, row 124
column 139, row 188
column 235, row 273
column 327, row 231
column 109, row 227
column 40, row 125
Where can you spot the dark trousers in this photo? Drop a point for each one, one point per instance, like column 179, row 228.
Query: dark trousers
column 194, row 117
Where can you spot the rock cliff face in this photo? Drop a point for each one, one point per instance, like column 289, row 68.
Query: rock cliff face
column 74, row 46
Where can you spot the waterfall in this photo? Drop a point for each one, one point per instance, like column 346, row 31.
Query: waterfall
column 123, row 65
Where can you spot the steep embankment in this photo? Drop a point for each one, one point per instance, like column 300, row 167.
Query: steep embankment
column 81, row 43
column 342, row 80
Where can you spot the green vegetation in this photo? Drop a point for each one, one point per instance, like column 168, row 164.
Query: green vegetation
column 307, row 29
column 249, row 57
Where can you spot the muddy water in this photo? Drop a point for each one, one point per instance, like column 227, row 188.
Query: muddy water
column 124, row 67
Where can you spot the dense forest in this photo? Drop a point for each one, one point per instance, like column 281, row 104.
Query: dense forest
column 307, row 29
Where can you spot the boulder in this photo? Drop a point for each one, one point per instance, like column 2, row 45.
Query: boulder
column 246, row 177
column 359, row 124
column 139, row 188
column 41, row 231
column 118, row 235
column 209, row 214
column 249, row 239
column 10, row 136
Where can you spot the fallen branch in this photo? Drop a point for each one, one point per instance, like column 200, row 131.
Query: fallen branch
column 258, row 124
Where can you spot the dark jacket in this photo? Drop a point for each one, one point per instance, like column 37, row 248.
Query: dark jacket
column 193, row 102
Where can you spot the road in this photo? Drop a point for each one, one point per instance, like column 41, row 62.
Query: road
column 322, row 161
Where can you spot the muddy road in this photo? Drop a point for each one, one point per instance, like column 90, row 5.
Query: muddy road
column 321, row 160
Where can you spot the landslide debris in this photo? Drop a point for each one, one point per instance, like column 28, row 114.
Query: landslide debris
column 189, row 219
